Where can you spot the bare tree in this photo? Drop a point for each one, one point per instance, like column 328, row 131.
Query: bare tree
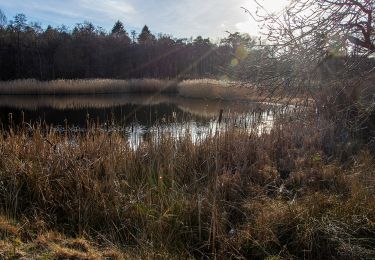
column 3, row 19
column 322, row 50
column 308, row 34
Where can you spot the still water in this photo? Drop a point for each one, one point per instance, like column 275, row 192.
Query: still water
column 136, row 116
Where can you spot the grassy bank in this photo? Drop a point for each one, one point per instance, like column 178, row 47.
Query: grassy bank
column 285, row 194
column 86, row 86
column 195, row 89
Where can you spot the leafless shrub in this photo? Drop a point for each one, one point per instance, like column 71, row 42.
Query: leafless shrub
column 323, row 50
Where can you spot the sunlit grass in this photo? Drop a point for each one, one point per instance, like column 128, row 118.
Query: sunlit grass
column 199, row 88
column 208, row 89
column 86, row 86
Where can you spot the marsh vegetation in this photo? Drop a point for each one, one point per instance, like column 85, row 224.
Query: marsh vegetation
column 283, row 193
column 162, row 148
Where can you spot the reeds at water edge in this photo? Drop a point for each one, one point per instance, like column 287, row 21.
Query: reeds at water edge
column 284, row 193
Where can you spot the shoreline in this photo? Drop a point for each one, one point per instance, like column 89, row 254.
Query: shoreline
column 201, row 89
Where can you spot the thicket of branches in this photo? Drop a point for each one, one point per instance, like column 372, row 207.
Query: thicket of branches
column 312, row 42
column 29, row 51
column 323, row 49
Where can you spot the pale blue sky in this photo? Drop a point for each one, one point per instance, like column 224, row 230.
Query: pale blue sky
column 209, row 18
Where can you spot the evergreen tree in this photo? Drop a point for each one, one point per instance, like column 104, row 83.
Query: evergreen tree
column 120, row 34
column 146, row 36
column 118, row 29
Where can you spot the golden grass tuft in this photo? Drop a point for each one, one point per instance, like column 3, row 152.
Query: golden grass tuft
column 8, row 229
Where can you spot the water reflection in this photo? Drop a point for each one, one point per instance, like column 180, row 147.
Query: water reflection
column 137, row 116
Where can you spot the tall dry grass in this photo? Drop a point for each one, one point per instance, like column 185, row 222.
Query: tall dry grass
column 86, row 86
column 238, row 194
column 199, row 88
column 212, row 89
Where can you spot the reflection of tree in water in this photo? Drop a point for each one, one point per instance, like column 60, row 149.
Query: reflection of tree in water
column 138, row 119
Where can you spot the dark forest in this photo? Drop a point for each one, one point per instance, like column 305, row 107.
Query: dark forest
column 27, row 50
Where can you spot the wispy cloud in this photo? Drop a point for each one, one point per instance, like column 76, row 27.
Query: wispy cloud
column 209, row 18
column 106, row 9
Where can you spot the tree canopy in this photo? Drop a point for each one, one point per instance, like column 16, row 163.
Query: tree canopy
column 88, row 51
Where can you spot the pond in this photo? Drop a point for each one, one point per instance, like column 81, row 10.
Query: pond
column 136, row 116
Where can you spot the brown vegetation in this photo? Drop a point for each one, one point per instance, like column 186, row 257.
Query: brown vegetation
column 283, row 194
column 303, row 190
column 74, row 87
column 195, row 89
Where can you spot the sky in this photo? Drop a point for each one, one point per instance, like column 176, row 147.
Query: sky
column 189, row 18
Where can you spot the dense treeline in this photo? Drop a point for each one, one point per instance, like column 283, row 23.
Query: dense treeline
column 29, row 51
